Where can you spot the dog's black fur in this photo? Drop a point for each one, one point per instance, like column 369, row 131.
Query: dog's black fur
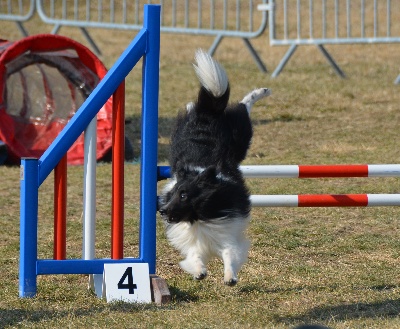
column 205, row 196
column 211, row 134
column 216, row 139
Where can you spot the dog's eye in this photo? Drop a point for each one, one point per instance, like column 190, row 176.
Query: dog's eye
column 183, row 196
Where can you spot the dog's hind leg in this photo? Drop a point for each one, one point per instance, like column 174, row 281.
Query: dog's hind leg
column 254, row 96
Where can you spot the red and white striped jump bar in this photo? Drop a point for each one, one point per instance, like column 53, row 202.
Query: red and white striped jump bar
column 326, row 200
column 321, row 171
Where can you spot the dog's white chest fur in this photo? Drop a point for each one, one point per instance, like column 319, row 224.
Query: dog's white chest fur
column 202, row 240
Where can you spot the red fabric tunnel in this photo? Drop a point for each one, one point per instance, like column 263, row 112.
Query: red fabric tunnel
column 43, row 81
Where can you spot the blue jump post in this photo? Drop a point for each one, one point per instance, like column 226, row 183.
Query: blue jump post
column 149, row 152
column 28, row 226
column 146, row 44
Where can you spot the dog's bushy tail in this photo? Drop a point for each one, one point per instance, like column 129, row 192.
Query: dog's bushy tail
column 214, row 91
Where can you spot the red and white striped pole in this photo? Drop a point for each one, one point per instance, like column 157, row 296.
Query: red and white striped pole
column 321, row 171
column 326, row 200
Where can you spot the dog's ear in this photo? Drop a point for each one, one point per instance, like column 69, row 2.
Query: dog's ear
column 181, row 173
column 209, row 175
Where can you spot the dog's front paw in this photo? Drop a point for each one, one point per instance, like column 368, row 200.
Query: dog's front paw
column 197, row 269
column 230, row 278
column 200, row 276
column 230, row 282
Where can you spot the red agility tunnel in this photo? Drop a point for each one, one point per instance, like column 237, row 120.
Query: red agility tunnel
column 43, row 81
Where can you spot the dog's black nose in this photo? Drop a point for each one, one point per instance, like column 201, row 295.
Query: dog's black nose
column 163, row 211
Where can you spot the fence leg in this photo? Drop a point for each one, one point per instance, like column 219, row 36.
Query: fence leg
column 331, row 61
column 55, row 29
column 255, row 56
column 253, row 52
column 284, row 61
column 28, row 226
column 22, row 29
column 91, row 41
column 214, row 46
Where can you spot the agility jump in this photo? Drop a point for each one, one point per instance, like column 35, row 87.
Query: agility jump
column 35, row 171
column 318, row 171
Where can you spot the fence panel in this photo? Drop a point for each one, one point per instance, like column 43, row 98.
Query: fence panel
column 17, row 11
column 219, row 18
column 320, row 22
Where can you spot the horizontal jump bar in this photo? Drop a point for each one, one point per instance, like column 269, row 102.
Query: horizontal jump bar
column 326, row 200
column 310, row 171
column 78, row 266
column 321, row 171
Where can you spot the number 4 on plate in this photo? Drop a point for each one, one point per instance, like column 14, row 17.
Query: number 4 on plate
column 128, row 282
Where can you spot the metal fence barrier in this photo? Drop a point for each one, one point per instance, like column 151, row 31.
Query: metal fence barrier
column 17, row 11
column 320, row 22
column 219, row 18
column 291, row 22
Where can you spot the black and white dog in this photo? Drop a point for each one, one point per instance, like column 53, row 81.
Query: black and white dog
column 206, row 204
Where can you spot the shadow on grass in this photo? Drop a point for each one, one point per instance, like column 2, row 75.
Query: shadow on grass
column 165, row 127
column 16, row 317
column 181, row 296
column 285, row 117
column 133, row 141
column 384, row 309
column 133, row 133
column 167, row 124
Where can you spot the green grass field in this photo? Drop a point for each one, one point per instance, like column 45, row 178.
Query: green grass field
column 332, row 266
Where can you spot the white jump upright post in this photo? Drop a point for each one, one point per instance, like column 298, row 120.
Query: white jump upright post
column 89, row 195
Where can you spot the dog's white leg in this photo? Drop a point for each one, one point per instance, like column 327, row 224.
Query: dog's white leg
column 195, row 264
column 254, row 96
column 230, row 267
column 234, row 257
